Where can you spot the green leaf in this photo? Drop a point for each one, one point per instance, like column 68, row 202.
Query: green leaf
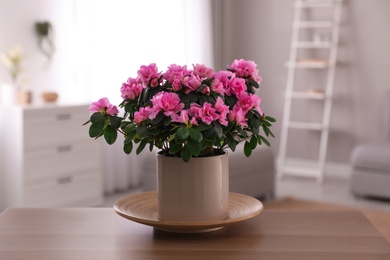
column 141, row 146
column 110, row 134
column 130, row 135
column 194, row 147
column 264, row 140
column 243, row 133
column 130, row 127
column 124, row 124
column 266, row 130
column 97, row 117
column 259, row 140
column 271, row 119
column 255, row 122
column 196, row 135
column 167, row 121
column 218, row 129
column 230, row 101
column 250, row 89
column 142, row 131
column 115, row 121
column 128, row 147
column 231, row 142
column 253, row 142
column 96, row 129
column 154, row 131
column 202, row 127
column 174, row 147
column 185, row 154
column 130, row 108
column 247, row 149
column 160, row 117
column 182, row 133
column 253, row 83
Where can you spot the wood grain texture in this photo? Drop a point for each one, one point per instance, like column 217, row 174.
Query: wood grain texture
column 99, row 233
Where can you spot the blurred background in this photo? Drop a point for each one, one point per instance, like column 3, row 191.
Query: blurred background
column 98, row 44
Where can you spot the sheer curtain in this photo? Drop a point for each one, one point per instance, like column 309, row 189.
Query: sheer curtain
column 115, row 37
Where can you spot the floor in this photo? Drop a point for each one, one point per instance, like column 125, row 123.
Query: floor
column 332, row 190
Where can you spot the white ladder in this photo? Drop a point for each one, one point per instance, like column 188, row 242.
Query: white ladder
column 325, row 95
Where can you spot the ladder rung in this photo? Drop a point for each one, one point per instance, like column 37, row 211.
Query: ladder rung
column 314, row 4
column 312, row 45
column 314, row 64
column 303, row 125
column 313, row 24
column 306, row 95
column 301, row 171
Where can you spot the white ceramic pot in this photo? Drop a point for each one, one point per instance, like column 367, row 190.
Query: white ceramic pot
column 196, row 191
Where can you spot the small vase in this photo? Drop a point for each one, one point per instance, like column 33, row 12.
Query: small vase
column 11, row 94
column 194, row 191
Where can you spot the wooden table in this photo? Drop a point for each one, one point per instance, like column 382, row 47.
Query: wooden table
column 98, row 233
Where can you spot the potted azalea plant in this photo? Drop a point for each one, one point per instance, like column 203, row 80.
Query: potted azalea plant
column 187, row 114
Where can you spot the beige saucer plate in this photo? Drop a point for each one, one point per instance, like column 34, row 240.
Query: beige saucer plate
column 142, row 208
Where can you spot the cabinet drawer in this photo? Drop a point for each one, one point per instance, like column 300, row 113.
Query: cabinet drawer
column 60, row 160
column 64, row 191
column 43, row 127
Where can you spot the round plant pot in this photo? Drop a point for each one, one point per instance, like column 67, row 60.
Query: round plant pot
column 194, row 191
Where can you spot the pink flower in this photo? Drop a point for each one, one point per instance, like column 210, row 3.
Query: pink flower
column 256, row 104
column 248, row 101
column 103, row 106
column 141, row 115
column 238, row 116
column 245, row 68
column 217, row 87
column 192, row 82
column 182, row 118
column 176, row 85
column 223, row 110
column 131, row 89
column 202, row 71
column 236, row 86
column 221, row 81
column 245, row 102
column 206, row 113
column 175, row 72
column 168, row 102
column 223, row 77
column 193, row 121
column 149, row 75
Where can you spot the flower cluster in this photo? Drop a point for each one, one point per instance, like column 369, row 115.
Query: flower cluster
column 186, row 112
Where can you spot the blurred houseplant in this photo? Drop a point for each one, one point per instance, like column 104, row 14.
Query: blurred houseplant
column 11, row 93
column 12, row 60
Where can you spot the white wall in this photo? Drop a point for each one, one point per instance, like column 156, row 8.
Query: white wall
column 17, row 19
column 261, row 30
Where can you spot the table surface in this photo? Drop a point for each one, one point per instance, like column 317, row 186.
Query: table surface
column 99, row 233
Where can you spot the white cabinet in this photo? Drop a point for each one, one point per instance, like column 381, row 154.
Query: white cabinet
column 48, row 158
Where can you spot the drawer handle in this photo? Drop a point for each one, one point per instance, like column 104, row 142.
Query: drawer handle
column 64, row 180
column 64, row 148
column 64, row 116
